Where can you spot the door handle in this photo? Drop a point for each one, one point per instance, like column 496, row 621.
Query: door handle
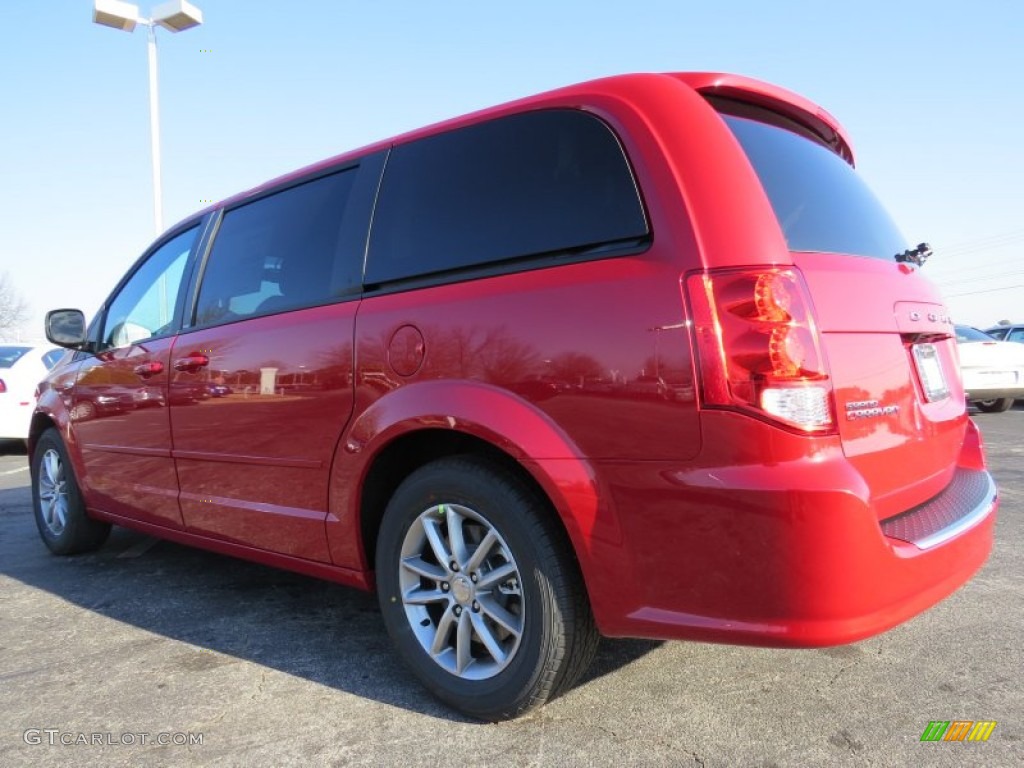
column 192, row 363
column 149, row 369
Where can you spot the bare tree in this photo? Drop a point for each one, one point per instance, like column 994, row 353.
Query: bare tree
column 13, row 307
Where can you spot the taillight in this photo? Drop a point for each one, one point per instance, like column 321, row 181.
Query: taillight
column 759, row 348
column 3, row 387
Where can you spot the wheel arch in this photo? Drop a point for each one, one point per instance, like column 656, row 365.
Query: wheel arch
column 52, row 413
column 408, row 452
column 397, row 434
column 39, row 424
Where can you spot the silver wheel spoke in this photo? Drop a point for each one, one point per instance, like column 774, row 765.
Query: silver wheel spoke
column 501, row 616
column 463, row 643
column 421, row 567
column 432, row 528
column 488, row 639
column 425, row 596
column 53, row 468
column 481, row 552
column 493, row 578
column 440, row 644
column 455, row 536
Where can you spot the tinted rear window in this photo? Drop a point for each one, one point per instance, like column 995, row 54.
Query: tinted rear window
column 821, row 203
column 10, row 355
column 536, row 183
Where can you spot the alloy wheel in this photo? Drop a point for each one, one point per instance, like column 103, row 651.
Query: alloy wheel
column 53, row 494
column 461, row 591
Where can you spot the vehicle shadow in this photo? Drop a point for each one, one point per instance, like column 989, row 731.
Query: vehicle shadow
column 323, row 632
column 13, row 448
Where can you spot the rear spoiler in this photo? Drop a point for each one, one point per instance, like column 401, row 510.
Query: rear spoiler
column 778, row 100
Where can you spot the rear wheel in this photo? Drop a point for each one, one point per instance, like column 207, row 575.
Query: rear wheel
column 59, row 511
column 994, row 406
column 479, row 590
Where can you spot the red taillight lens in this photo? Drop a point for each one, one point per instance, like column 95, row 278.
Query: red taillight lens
column 3, row 387
column 759, row 347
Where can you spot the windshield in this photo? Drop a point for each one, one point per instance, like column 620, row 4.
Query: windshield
column 10, row 355
column 822, row 204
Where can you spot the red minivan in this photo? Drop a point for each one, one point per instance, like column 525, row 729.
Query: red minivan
column 638, row 357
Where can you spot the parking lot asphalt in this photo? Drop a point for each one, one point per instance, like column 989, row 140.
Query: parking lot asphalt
column 146, row 642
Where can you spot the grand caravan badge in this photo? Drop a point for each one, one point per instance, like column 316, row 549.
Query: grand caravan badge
column 869, row 409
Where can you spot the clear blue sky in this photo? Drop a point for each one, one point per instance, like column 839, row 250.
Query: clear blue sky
column 929, row 90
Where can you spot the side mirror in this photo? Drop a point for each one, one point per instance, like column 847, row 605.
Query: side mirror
column 66, row 328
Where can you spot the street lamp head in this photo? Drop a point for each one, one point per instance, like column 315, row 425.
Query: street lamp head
column 116, row 14
column 173, row 16
column 177, row 16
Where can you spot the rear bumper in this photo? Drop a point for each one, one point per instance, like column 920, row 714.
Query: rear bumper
column 1017, row 393
column 978, row 386
column 962, row 504
column 786, row 553
column 15, row 418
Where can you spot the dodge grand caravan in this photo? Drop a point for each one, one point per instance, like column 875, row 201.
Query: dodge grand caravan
column 638, row 357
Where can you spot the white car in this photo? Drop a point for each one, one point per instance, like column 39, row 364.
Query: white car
column 22, row 366
column 993, row 371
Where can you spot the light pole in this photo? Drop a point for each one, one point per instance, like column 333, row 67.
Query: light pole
column 175, row 16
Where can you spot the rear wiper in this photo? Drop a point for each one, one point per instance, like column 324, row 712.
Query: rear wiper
column 917, row 255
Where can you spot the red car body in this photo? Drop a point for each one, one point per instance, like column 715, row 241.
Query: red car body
column 609, row 382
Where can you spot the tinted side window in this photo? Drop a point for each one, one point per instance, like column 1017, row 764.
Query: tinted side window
column 535, row 183
column 277, row 253
column 821, row 203
column 145, row 305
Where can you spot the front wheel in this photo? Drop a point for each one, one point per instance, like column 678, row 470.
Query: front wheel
column 59, row 510
column 994, row 406
column 479, row 590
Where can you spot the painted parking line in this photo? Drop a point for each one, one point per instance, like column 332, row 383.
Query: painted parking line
column 14, row 471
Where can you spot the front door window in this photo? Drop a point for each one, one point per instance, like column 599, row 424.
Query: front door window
column 121, row 396
column 145, row 306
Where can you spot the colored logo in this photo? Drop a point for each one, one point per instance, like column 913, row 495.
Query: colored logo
column 958, row 730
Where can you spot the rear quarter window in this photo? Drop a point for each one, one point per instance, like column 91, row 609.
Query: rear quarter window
column 821, row 202
column 545, row 182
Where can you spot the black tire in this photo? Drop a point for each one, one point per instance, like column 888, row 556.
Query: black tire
column 544, row 600
column 60, row 514
column 994, row 406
